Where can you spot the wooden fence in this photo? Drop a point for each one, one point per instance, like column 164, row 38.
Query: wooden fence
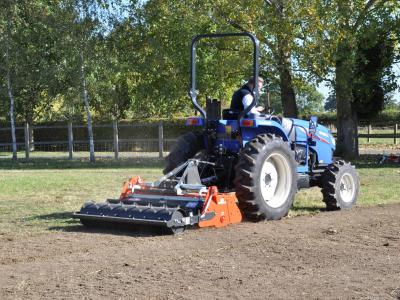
column 371, row 133
column 70, row 144
column 157, row 139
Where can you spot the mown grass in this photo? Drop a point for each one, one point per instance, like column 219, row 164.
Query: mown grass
column 379, row 185
column 39, row 195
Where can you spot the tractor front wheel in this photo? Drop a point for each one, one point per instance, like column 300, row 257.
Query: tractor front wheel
column 340, row 186
column 266, row 178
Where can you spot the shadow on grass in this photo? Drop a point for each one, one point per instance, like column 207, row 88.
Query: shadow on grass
column 61, row 216
column 74, row 225
column 57, row 163
column 308, row 209
column 113, row 229
column 371, row 161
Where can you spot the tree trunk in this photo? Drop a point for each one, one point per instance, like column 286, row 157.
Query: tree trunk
column 288, row 96
column 10, row 91
column 31, row 138
column 12, row 117
column 347, row 146
column 86, row 102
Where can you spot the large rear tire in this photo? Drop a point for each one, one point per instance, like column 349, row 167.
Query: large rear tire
column 340, row 186
column 266, row 178
column 186, row 147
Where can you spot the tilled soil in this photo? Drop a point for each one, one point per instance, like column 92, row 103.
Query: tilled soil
column 340, row 255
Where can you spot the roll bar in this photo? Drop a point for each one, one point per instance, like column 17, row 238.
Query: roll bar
column 193, row 93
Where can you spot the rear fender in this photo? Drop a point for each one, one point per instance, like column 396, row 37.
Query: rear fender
column 251, row 129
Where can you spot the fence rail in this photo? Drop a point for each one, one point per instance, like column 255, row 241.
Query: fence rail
column 113, row 143
column 156, row 143
column 395, row 135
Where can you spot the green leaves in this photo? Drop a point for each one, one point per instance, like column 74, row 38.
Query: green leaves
column 137, row 53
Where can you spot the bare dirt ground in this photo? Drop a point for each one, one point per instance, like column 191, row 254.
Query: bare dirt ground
column 341, row 255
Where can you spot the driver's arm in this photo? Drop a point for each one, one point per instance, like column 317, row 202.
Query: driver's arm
column 246, row 103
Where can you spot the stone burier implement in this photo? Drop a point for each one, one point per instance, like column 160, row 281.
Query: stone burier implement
column 172, row 202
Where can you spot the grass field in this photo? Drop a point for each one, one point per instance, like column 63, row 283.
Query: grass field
column 39, row 195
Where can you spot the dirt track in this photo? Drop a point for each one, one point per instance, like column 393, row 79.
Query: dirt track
column 341, row 255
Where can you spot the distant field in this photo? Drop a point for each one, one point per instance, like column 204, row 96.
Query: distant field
column 40, row 195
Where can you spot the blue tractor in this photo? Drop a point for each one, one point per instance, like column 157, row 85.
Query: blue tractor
column 238, row 165
column 265, row 159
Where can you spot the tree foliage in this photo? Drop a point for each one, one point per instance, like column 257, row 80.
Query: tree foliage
column 136, row 56
column 338, row 35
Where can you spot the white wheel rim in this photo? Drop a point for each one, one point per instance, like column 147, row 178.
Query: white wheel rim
column 275, row 180
column 347, row 187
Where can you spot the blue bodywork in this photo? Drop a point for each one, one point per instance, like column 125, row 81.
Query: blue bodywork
column 294, row 131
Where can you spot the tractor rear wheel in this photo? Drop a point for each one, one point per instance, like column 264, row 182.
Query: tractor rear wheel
column 340, row 186
column 266, row 178
column 186, row 147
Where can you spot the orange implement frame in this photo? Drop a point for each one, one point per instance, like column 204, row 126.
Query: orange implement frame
column 224, row 206
column 130, row 185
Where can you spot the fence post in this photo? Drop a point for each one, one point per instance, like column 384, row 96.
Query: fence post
column 160, row 140
column 369, row 132
column 396, row 129
column 115, row 135
column 70, row 141
column 26, row 136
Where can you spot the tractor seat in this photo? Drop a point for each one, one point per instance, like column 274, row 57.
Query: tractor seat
column 230, row 114
column 288, row 128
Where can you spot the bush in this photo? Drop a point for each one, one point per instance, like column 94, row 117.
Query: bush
column 385, row 118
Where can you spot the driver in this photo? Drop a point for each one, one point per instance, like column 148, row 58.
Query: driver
column 243, row 97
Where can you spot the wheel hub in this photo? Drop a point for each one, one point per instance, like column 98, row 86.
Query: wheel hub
column 268, row 179
column 275, row 178
column 347, row 187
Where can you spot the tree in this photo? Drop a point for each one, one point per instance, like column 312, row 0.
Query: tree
column 7, row 30
column 373, row 78
column 160, row 40
column 309, row 100
column 87, row 22
column 33, row 55
column 38, row 35
column 112, row 91
column 391, row 103
column 332, row 31
column 274, row 23
column 281, row 14
column 330, row 102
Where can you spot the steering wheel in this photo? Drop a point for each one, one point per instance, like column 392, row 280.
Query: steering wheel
column 270, row 110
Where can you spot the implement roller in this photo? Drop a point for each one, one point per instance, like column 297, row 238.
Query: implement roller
column 172, row 202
